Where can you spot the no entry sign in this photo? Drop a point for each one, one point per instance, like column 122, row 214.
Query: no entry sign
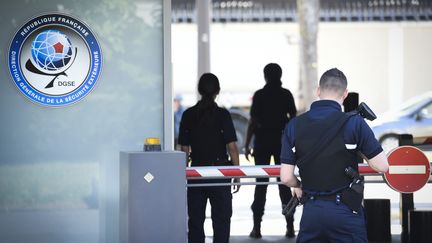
column 409, row 169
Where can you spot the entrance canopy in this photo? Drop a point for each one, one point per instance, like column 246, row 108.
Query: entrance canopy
column 286, row 10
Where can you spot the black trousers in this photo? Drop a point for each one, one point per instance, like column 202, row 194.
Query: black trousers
column 221, row 210
column 263, row 158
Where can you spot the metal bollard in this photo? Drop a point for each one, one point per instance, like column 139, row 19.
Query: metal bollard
column 420, row 225
column 377, row 213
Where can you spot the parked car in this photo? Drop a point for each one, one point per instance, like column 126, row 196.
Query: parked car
column 412, row 117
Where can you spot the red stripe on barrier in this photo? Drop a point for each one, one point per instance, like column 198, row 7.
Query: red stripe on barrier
column 192, row 173
column 232, row 172
column 365, row 169
column 272, row 171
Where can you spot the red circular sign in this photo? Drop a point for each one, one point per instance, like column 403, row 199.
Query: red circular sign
column 409, row 169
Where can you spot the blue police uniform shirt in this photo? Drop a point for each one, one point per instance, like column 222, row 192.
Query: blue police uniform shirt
column 357, row 135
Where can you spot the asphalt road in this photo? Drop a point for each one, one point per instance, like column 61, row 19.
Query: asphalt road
column 273, row 225
column 83, row 225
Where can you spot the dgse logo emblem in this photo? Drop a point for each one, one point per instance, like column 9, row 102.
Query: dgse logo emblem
column 55, row 60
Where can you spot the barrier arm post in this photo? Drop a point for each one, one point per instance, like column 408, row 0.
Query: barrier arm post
column 255, row 171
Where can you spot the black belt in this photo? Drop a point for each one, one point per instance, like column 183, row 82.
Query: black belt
column 324, row 197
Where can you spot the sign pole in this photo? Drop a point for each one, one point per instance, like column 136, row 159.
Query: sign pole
column 406, row 201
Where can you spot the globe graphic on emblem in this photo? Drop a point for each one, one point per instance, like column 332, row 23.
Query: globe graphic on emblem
column 51, row 50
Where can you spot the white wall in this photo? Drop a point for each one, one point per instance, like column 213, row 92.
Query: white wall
column 385, row 62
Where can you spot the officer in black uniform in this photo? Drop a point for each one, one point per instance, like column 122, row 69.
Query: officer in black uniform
column 332, row 212
column 269, row 112
column 206, row 134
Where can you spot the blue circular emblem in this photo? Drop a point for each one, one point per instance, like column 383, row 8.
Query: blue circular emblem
column 51, row 50
column 55, row 60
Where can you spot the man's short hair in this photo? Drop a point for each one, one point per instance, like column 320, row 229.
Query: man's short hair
column 333, row 80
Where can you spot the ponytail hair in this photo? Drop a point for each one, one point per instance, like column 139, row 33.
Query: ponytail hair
column 208, row 87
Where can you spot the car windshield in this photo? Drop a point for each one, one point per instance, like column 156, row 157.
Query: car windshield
column 412, row 104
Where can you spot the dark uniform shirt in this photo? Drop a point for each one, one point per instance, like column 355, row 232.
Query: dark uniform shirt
column 270, row 106
column 208, row 138
column 207, row 135
column 331, row 218
column 357, row 134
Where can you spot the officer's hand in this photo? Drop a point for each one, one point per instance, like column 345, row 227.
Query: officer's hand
column 297, row 192
column 236, row 188
column 247, row 153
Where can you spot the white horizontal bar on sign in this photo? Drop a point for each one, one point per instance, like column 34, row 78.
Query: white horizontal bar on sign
column 407, row 169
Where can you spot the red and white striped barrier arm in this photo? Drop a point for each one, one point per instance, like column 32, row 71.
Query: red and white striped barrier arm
column 220, row 172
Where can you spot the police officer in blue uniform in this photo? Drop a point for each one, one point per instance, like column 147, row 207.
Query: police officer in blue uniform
column 272, row 107
column 206, row 135
column 328, row 213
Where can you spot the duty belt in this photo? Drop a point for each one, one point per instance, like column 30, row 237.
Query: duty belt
column 324, row 197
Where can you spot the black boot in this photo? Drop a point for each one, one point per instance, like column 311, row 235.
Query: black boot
column 290, row 232
column 290, row 227
column 255, row 233
column 256, row 230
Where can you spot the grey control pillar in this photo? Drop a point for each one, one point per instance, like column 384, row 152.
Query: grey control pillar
column 152, row 197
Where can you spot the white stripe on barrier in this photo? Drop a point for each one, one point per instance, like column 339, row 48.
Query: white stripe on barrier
column 407, row 169
column 252, row 170
column 209, row 173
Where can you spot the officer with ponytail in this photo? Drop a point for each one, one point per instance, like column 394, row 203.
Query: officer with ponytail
column 207, row 136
